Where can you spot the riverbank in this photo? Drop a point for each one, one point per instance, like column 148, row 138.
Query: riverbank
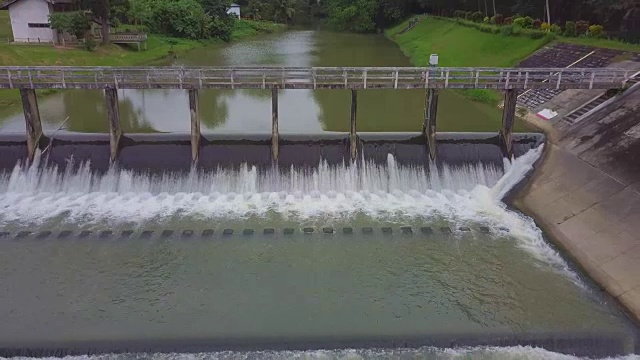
column 158, row 49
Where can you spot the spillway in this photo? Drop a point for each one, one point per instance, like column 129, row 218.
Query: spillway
column 240, row 256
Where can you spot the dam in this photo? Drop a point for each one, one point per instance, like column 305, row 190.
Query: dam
column 394, row 253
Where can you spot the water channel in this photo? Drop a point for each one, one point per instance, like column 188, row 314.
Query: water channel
column 384, row 259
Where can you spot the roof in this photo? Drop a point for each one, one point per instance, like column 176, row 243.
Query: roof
column 234, row 5
column 11, row 2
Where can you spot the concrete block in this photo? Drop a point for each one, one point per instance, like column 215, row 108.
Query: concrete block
column 63, row 234
column 227, row 232
column 269, row 231
column 166, row 233
column 85, row 233
column 248, row 232
column 207, row 233
column 126, row 234
column 631, row 299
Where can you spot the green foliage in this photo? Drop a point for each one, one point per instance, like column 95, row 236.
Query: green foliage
column 537, row 23
column 477, row 16
column 545, row 26
column 528, row 22
column 283, row 10
column 358, row 17
column 499, row 19
column 76, row 23
column 90, row 44
column 569, row 29
column 596, row 31
column 486, row 20
column 582, row 27
column 520, row 21
column 555, row 29
column 507, row 21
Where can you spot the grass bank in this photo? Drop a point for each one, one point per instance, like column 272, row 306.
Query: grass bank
column 459, row 45
column 158, row 48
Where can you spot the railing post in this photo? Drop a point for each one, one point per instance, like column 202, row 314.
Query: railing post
column 353, row 135
column 194, row 109
column 113, row 115
column 429, row 124
column 508, row 119
column 32, row 120
column 274, row 123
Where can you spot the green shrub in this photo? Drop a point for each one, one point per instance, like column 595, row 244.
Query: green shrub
column 499, row 19
column 477, row 16
column 569, row 29
column 536, row 34
column 520, row 21
column 459, row 14
column 468, row 15
column 582, row 27
column 492, row 20
column 507, row 21
column 537, row 23
column 555, row 28
column 528, row 22
column 545, row 26
column 596, row 31
column 486, row 20
column 486, row 28
column 90, row 44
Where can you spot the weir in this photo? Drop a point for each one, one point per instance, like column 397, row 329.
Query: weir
column 27, row 79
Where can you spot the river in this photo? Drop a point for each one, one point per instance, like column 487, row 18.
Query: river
column 380, row 259
column 228, row 111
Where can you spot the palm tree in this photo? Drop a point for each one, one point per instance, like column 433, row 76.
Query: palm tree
column 283, row 10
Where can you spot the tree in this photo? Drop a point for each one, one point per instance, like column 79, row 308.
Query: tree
column 76, row 23
column 105, row 12
column 283, row 10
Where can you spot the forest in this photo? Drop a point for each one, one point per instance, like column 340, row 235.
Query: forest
column 198, row 19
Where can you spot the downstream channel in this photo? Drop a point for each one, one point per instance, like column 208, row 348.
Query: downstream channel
column 394, row 256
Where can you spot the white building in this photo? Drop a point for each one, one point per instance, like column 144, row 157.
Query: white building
column 234, row 10
column 30, row 18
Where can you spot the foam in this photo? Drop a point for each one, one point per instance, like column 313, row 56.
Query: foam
column 391, row 192
column 480, row 352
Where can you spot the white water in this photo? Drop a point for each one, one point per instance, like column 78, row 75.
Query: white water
column 458, row 194
column 480, row 352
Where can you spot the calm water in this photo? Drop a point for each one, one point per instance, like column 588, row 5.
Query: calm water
column 301, row 111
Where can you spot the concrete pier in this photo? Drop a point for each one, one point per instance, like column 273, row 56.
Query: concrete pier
column 429, row 124
column 353, row 135
column 113, row 116
column 508, row 119
column 274, row 123
column 194, row 109
column 32, row 120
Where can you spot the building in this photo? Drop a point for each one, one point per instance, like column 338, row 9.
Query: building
column 30, row 19
column 234, row 9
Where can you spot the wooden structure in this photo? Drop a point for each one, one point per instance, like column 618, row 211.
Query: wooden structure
column 110, row 79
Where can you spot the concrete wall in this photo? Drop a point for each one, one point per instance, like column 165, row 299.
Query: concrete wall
column 586, row 195
column 30, row 11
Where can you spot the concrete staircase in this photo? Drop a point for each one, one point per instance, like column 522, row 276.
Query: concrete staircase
column 583, row 110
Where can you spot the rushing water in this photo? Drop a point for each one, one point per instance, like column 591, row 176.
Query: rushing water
column 301, row 111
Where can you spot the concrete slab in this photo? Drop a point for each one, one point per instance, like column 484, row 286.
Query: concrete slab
column 625, row 268
column 631, row 299
column 606, row 245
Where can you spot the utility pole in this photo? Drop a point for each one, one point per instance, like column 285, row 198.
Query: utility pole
column 548, row 14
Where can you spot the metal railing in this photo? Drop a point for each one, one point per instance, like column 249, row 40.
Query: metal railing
column 310, row 78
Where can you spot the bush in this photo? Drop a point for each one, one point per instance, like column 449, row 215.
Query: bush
column 459, row 14
column 582, row 27
column 569, row 29
column 486, row 28
column 537, row 23
column 507, row 30
column 528, row 22
column 492, row 20
column 499, row 19
column 90, row 44
column 520, row 21
column 486, row 20
column 555, row 28
column 536, row 34
column 545, row 26
column 477, row 16
column 507, row 21
column 468, row 15
column 596, row 30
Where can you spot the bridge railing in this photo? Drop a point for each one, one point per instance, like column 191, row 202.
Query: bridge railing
column 309, row 78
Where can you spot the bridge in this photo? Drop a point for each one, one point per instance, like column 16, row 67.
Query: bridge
column 431, row 79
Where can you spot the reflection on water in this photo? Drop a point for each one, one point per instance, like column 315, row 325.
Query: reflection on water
column 301, row 111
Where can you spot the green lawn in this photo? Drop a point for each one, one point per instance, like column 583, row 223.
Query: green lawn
column 5, row 25
column 159, row 48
